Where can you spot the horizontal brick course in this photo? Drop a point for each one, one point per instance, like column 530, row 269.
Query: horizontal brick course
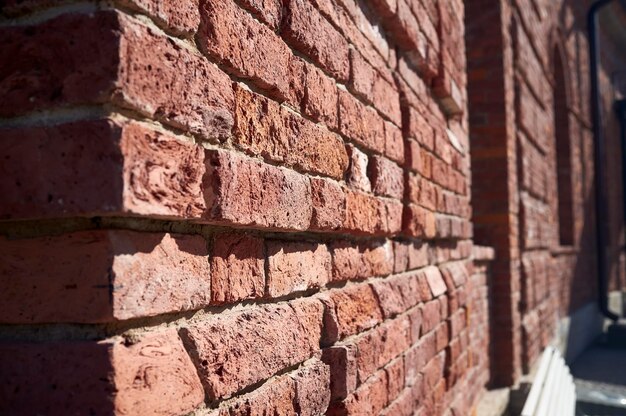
column 229, row 356
column 102, row 276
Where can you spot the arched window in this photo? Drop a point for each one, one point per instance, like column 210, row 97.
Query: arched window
column 563, row 154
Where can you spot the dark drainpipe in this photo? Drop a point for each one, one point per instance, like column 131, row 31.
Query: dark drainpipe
column 599, row 157
column 620, row 108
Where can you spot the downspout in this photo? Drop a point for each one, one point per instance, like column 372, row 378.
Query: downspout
column 620, row 108
column 599, row 157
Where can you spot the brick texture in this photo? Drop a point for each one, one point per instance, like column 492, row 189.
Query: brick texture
column 286, row 207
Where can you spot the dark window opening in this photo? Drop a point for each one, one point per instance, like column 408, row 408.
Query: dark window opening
column 563, row 154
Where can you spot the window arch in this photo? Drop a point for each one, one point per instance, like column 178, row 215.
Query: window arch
column 563, row 152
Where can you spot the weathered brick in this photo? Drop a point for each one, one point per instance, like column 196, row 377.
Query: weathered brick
column 400, row 256
column 153, row 375
column 237, row 268
column 394, row 143
column 361, row 260
column 360, row 123
column 329, row 204
column 417, row 356
column 369, row 399
column 102, row 276
column 431, row 315
column 276, row 396
column 261, row 56
column 381, row 345
column 305, row 29
column 435, row 281
column 265, row 128
column 312, row 389
column 296, row 266
column 127, row 168
column 181, row 19
column 356, row 176
column 387, row 178
column 321, row 97
column 70, row 67
column 343, row 371
column 246, row 192
column 375, row 89
column 356, row 308
column 366, row 214
column 397, row 294
column 395, row 378
column 166, row 81
column 419, row 222
column 269, row 12
column 229, row 356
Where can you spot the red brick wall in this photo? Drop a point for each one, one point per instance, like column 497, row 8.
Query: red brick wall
column 514, row 101
column 238, row 207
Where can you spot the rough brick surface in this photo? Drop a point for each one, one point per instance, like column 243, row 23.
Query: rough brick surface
column 294, row 267
column 103, row 275
column 229, row 355
column 154, row 375
column 254, row 207
column 246, row 192
column 237, row 268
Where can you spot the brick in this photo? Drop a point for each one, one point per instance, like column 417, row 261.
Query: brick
column 381, row 345
column 71, row 67
column 102, row 276
column 356, row 176
column 400, row 256
column 277, row 396
column 415, row 317
column 416, row 358
column 153, row 375
column 237, row 268
column 246, row 192
column 360, row 123
column 435, row 281
column 269, row 12
column 321, row 97
column 165, row 81
column 366, row 214
column 442, row 335
column 356, row 308
column 434, row 371
column 305, row 29
column 403, row 406
column 312, row 389
column 387, row 178
column 395, row 378
column 369, row 399
column 431, row 315
column 329, row 204
column 296, row 266
column 261, row 57
column 128, row 168
column 343, row 371
column 229, row 356
column 394, row 143
column 180, row 19
column 370, row 85
column 265, row 128
column 397, row 294
column 361, row 260
column 419, row 222
column 130, row 65
column 457, row 272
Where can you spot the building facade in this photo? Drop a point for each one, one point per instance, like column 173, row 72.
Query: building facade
column 254, row 207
